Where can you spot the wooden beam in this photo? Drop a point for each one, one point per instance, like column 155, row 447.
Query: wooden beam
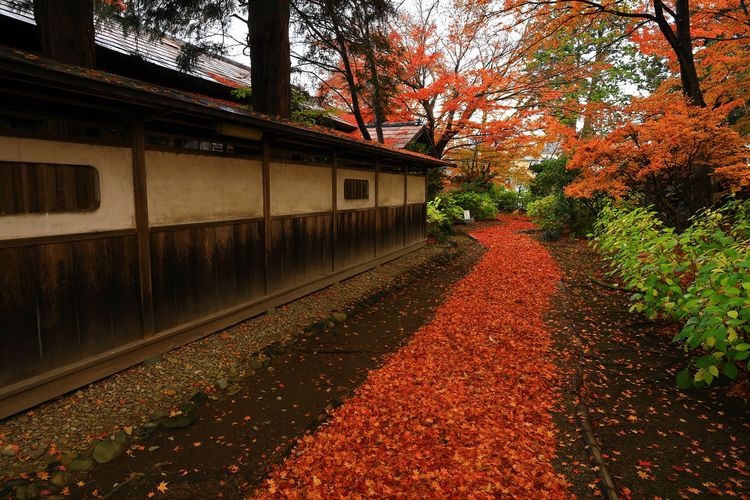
column 426, row 199
column 377, row 209
column 266, row 215
column 334, row 209
column 406, row 205
column 140, row 191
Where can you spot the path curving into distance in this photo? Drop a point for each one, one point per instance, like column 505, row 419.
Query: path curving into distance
column 464, row 408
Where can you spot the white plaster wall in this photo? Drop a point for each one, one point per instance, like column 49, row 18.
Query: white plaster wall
column 185, row 188
column 390, row 190
column 300, row 189
column 114, row 165
column 341, row 203
column 415, row 189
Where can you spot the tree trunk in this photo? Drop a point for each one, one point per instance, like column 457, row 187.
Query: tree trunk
column 270, row 66
column 349, row 75
column 377, row 96
column 681, row 42
column 66, row 30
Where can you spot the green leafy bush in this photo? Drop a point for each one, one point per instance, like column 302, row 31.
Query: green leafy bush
column 551, row 178
column 481, row 205
column 699, row 277
column 546, row 213
column 441, row 214
column 506, row 200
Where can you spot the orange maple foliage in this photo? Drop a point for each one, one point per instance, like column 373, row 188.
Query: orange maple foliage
column 658, row 150
column 464, row 409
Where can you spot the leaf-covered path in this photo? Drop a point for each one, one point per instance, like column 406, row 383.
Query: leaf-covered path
column 464, row 408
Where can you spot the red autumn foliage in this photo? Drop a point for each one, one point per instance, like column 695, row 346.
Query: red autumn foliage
column 464, row 408
column 659, row 148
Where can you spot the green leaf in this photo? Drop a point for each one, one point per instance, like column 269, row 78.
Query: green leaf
column 742, row 347
column 730, row 370
column 684, row 380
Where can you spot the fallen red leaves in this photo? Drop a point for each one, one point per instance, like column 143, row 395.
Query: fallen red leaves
column 464, row 408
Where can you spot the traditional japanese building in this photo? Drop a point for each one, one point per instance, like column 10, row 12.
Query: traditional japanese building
column 135, row 218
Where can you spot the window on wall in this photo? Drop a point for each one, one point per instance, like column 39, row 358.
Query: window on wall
column 36, row 188
column 356, row 189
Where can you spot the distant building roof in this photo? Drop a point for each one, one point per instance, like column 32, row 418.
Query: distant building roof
column 162, row 53
column 398, row 135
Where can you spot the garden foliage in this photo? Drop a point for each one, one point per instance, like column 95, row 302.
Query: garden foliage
column 480, row 204
column 548, row 215
column 699, row 277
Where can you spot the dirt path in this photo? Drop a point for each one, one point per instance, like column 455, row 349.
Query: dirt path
column 657, row 441
column 464, row 409
column 234, row 440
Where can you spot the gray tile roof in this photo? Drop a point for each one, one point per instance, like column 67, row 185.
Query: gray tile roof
column 162, row 52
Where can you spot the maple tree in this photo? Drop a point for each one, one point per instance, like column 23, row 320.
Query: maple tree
column 348, row 41
column 675, row 29
column 638, row 159
column 460, row 74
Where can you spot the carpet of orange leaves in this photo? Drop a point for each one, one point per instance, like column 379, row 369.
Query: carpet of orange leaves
column 463, row 409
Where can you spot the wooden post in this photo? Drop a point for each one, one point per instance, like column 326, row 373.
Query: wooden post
column 406, row 206
column 378, row 222
column 266, row 215
column 426, row 199
column 334, row 209
column 140, row 195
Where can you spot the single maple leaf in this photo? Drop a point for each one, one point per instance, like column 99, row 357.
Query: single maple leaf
column 162, row 487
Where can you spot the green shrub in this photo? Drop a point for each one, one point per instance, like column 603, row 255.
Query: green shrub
column 481, row 205
column 504, row 199
column 699, row 277
column 546, row 213
column 441, row 214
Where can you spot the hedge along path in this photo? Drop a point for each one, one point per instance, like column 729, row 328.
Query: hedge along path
column 464, row 408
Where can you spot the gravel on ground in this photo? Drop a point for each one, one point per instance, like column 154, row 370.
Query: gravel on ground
column 72, row 424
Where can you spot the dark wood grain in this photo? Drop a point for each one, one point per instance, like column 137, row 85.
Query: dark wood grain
column 356, row 243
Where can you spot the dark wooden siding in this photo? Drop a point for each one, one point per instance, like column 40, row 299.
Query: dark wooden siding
column 355, row 241
column 300, row 250
column 27, row 188
column 391, row 233
column 416, row 222
column 198, row 270
column 63, row 302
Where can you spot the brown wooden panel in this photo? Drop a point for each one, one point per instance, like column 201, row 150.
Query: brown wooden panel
column 107, row 293
column 47, row 188
column 300, row 250
column 19, row 338
column 391, row 230
column 61, row 302
column 355, row 237
column 249, row 271
column 126, row 301
column 200, row 270
column 56, row 299
column 416, row 222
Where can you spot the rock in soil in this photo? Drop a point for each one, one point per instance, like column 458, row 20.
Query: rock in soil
column 80, row 464
column 37, row 453
column 106, row 451
column 178, row 421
